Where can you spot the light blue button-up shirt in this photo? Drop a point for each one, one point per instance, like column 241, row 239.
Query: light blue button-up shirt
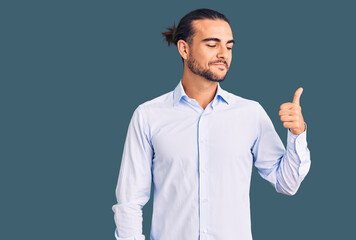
column 200, row 162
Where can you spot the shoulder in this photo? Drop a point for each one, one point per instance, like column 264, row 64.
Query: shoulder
column 236, row 101
column 161, row 102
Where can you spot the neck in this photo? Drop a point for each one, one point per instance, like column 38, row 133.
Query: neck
column 199, row 88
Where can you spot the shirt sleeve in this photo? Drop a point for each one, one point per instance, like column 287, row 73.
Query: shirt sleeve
column 284, row 168
column 134, row 182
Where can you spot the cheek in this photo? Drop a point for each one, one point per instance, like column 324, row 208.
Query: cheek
column 229, row 61
column 206, row 57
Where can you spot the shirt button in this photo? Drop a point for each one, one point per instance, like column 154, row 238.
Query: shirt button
column 291, row 141
column 202, row 141
column 203, row 170
column 205, row 200
column 205, row 231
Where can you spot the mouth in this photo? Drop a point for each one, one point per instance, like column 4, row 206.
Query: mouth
column 220, row 65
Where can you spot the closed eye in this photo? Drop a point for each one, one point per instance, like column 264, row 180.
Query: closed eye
column 229, row 48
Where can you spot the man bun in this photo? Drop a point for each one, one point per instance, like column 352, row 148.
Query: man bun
column 170, row 35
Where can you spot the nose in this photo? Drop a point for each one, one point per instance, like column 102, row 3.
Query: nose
column 223, row 53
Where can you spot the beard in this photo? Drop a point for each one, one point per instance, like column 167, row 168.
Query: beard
column 195, row 68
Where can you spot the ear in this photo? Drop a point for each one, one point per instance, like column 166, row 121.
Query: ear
column 183, row 48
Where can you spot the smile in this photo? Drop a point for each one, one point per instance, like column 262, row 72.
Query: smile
column 220, row 65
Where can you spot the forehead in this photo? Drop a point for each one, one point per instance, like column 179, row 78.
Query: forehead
column 208, row 28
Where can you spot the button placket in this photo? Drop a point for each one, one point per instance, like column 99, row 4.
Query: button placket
column 203, row 181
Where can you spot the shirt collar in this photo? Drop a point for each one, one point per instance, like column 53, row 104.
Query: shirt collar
column 180, row 93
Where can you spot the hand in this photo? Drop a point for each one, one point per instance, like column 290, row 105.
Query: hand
column 291, row 114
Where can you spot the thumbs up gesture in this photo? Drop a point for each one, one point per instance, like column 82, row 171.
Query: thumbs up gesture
column 291, row 114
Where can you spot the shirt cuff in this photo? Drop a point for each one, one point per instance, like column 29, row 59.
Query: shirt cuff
column 139, row 237
column 299, row 144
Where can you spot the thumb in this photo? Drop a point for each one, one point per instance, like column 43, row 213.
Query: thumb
column 297, row 94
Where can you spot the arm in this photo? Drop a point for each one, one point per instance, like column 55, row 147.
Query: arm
column 285, row 169
column 134, row 182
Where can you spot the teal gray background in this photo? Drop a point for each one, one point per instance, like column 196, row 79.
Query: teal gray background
column 72, row 73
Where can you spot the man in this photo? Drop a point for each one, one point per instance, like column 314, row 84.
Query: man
column 198, row 144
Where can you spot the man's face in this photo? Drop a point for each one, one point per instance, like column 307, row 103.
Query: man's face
column 211, row 51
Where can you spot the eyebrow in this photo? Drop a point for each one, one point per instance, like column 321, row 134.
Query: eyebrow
column 216, row 40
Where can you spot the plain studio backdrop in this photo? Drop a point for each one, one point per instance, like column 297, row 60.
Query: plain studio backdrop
column 72, row 73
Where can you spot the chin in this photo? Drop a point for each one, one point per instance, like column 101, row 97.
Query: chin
column 220, row 76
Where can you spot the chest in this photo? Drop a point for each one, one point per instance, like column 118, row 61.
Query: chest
column 185, row 136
